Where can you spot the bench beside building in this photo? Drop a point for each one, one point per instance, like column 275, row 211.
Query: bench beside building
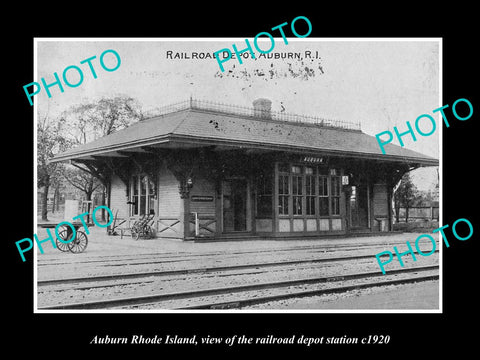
column 210, row 171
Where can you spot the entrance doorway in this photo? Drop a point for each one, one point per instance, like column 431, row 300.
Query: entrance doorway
column 359, row 207
column 234, row 205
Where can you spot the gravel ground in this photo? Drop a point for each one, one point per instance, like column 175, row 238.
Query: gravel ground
column 101, row 244
column 296, row 303
column 181, row 283
column 111, row 255
column 173, row 254
column 421, row 296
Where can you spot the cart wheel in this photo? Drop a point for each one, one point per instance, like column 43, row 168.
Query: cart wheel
column 79, row 244
column 145, row 232
column 60, row 245
column 133, row 232
column 150, row 232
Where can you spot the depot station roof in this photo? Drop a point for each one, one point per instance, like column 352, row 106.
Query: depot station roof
column 194, row 124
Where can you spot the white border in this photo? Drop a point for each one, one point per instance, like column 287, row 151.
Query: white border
column 286, row 311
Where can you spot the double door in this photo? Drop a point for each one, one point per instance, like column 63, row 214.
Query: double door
column 359, row 206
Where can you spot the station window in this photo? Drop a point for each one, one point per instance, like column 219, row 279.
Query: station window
column 336, row 195
column 303, row 185
column 310, row 190
column 143, row 195
column 283, row 193
column 323, row 195
column 297, row 190
column 264, row 196
column 134, row 195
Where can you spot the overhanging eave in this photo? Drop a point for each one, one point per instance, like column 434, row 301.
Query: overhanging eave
column 182, row 141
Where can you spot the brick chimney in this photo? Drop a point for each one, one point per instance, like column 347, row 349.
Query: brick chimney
column 262, row 108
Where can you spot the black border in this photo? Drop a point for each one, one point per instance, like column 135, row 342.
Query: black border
column 57, row 335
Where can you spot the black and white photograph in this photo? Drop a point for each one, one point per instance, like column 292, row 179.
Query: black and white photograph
column 249, row 183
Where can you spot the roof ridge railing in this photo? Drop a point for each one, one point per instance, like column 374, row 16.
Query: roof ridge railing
column 230, row 109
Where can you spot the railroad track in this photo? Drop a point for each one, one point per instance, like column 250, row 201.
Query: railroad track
column 201, row 270
column 238, row 304
column 174, row 256
column 243, row 295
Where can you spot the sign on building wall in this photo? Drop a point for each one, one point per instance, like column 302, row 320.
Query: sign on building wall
column 200, row 198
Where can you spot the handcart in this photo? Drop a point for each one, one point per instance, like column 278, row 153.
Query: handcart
column 77, row 245
column 143, row 227
column 112, row 230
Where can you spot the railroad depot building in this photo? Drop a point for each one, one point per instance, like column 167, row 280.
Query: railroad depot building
column 212, row 171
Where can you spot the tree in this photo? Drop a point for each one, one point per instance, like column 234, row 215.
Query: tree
column 405, row 195
column 50, row 141
column 82, row 180
column 93, row 120
column 88, row 122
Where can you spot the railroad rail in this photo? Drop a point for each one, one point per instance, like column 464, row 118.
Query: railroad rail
column 175, row 255
column 264, row 299
column 199, row 270
column 203, row 297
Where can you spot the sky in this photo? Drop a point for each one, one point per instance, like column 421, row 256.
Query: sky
column 380, row 83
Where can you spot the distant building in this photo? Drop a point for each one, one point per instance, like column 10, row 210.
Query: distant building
column 216, row 171
column 65, row 191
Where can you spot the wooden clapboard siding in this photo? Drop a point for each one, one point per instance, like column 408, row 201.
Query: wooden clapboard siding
column 118, row 198
column 203, row 187
column 170, row 206
column 169, row 201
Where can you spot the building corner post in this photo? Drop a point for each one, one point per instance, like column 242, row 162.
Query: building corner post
column 184, row 187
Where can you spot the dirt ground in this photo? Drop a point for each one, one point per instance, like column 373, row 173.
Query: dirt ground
column 418, row 296
column 107, row 255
